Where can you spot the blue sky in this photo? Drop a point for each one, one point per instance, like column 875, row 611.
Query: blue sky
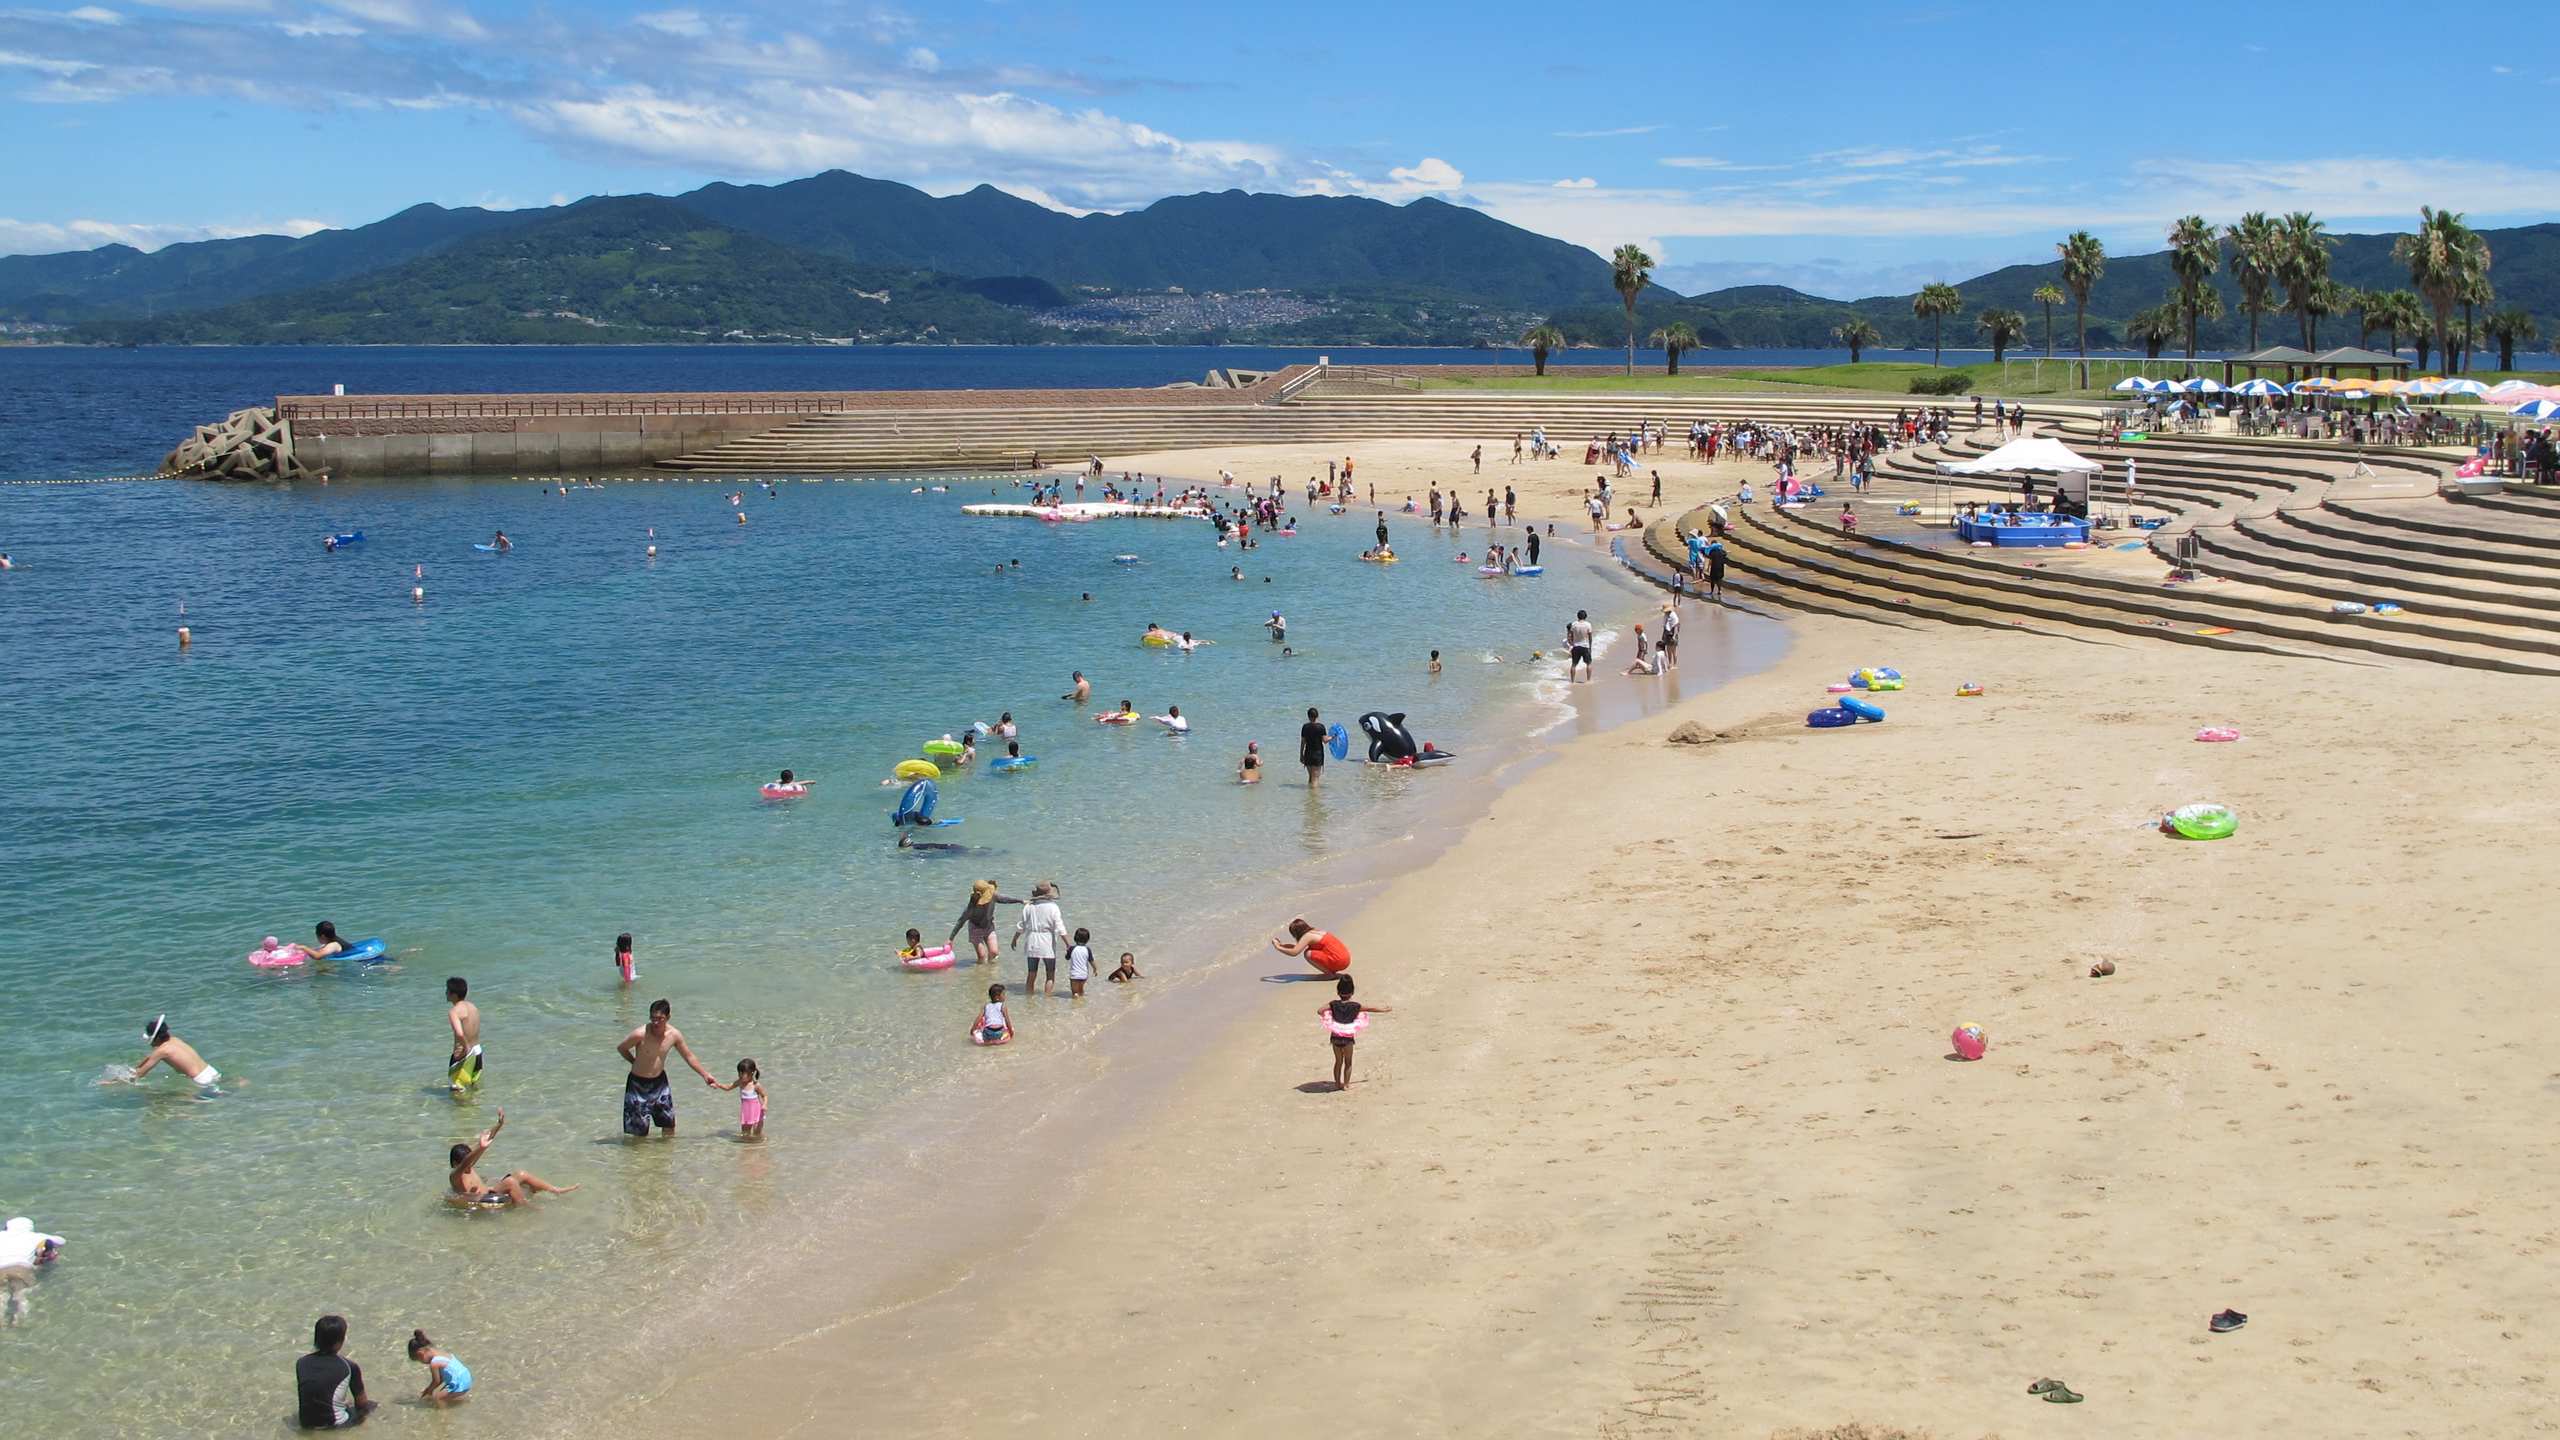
column 1847, row 149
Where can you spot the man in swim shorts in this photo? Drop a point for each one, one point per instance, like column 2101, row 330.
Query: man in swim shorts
column 1319, row 948
column 1577, row 642
column 178, row 1055
column 462, row 1068
column 1311, row 743
column 647, row 1099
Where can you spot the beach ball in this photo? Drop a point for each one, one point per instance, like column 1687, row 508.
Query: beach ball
column 1970, row 1042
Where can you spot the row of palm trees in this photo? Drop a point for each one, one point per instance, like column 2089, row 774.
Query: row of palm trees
column 2448, row 266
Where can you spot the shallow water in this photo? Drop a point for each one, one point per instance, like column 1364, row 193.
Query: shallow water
column 559, row 744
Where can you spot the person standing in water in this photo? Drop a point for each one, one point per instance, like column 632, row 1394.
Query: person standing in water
column 1041, row 932
column 1312, row 738
column 1081, row 691
column 646, row 1097
column 1577, row 643
column 462, row 1070
column 980, row 916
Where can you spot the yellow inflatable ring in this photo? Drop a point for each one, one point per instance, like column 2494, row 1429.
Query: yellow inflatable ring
column 917, row 770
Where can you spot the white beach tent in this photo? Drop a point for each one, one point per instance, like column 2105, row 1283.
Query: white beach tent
column 2037, row 456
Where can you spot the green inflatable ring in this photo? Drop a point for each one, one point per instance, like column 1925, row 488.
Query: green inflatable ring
column 942, row 747
column 2201, row 822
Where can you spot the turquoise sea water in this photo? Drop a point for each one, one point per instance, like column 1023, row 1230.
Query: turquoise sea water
column 560, row 744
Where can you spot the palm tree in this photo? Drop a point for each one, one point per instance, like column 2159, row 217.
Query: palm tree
column 2003, row 328
column 2047, row 295
column 1857, row 335
column 2257, row 247
column 2475, row 291
column 2154, row 327
column 2195, row 251
column 2326, row 298
column 2394, row 311
column 1674, row 338
column 1541, row 338
column 2361, row 302
column 2084, row 260
column 2422, row 340
column 2302, row 263
column 2507, row 327
column 2438, row 255
column 1630, row 270
column 1935, row 302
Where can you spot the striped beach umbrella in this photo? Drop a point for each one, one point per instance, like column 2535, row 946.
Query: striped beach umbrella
column 2316, row 385
column 2160, row 387
column 2258, row 387
column 2131, row 383
column 2471, row 388
column 2537, row 410
column 2425, row 385
column 2511, row 391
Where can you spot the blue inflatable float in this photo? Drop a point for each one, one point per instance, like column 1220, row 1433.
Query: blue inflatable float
column 1831, row 719
column 1862, row 709
column 915, row 806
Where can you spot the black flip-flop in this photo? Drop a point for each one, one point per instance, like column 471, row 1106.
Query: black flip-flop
column 2063, row 1395
column 2228, row 1321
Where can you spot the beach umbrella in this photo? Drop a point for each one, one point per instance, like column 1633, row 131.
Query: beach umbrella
column 2258, row 387
column 2159, row 387
column 2131, row 382
column 2205, row 385
column 2510, row 391
column 2431, row 385
column 2314, row 386
column 2465, row 387
column 2351, row 394
column 2537, row 410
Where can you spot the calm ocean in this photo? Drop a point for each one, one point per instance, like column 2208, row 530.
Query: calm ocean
column 563, row 743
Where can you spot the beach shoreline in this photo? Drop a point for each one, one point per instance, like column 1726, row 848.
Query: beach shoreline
column 1663, row 1136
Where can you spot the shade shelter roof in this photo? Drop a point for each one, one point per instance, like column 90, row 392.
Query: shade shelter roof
column 2350, row 355
column 2274, row 355
column 2034, row 454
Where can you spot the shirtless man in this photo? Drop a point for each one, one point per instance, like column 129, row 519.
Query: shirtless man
column 462, row 1068
column 646, row 1097
column 178, row 1055
column 516, row 1187
column 1082, row 692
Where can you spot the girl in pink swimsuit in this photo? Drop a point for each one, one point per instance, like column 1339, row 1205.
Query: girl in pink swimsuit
column 750, row 1088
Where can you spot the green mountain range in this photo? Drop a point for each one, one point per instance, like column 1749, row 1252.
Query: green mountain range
column 839, row 256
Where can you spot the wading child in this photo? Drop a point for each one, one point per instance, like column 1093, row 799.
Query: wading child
column 993, row 1027
column 448, row 1379
column 1079, row 963
column 750, row 1088
column 1128, row 969
column 1344, row 1019
column 622, row 960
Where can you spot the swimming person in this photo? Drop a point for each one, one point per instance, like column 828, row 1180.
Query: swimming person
column 1344, row 1019
column 993, row 1026
column 750, row 1088
column 178, row 1055
column 325, row 942
column 448, row 1379
column 1319, row 948
column 1249, row 771
column 980, row 916
column 1128, row 970
column 462, row 1070
column 646, row 1096
column 516, row 1187
column 329, row 1387
column 22, row 1248
column 1173, row 722
column 1278, row 625
column 501, row 542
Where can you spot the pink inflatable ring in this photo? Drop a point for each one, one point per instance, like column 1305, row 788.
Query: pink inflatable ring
column 271, row 956
column 931, row 957
column 2217, row 733
column 774, row 791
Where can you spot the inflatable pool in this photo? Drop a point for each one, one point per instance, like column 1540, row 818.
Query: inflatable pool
column 931, row 957
column 917, row 770
column 2200, row 822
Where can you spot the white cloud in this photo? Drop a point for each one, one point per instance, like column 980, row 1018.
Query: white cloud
column 1606, row 134
column 1585, row 183
column 2502, row 69
column 922, row 60
column 44, row 64
column 44, row 237
column 94, row 15
column 687, row 24
column 411, row 16
column 320, row 27
column 1429, row 176
column 1032, row 193
column 785, row 128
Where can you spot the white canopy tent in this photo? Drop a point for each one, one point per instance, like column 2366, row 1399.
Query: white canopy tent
column 2035, row 456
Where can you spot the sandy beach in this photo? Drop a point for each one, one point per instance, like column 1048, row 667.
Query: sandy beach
column 1664, row 1135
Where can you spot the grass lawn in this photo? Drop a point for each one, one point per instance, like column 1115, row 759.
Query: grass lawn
column 1888, row 377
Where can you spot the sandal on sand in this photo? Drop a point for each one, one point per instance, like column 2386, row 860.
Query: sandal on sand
column 2063, row 1395
column 2042, row 1386
column 2228, row 1321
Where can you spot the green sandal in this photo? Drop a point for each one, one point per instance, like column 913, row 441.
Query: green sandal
column 2042, row 1386
column 2063, row 1395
